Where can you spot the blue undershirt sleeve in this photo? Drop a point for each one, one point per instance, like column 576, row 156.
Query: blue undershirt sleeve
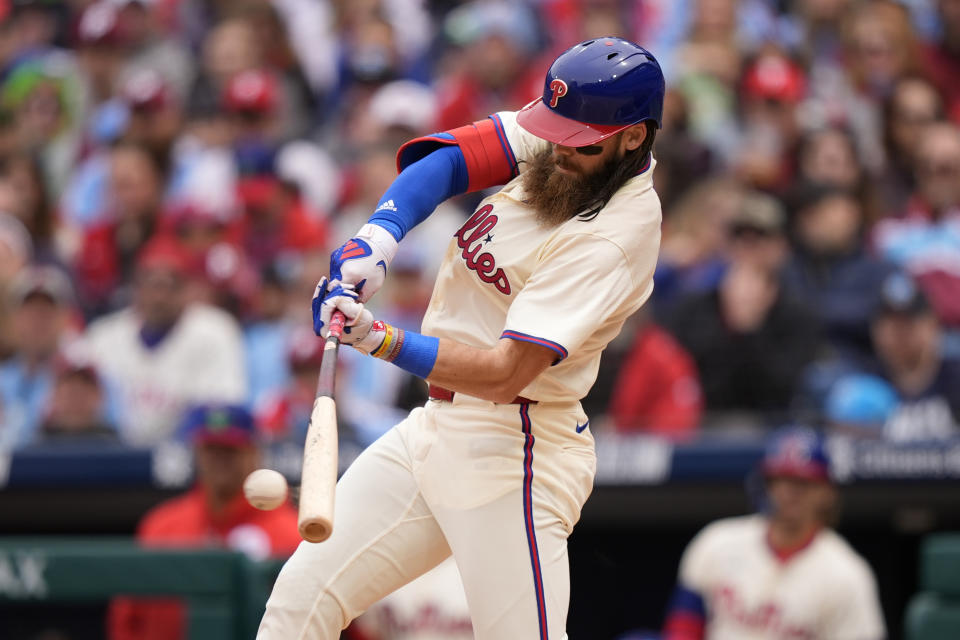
column 420, row 188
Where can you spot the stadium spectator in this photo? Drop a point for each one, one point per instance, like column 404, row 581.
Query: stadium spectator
column 100, row 54
column 42, row 300
column 879, row 47
column 210, row 234
column 941, row 59
column 859, row 405
column 149, row 48
column 276, row 220
column 907, row 339
column 695, row 237
column 297, row 103
column 34, row 29
column 749, row 339
column 40, row 99
column 924, row 240
column 164, row 352
column 830, row 271
column 251, row 101
column 155, row 114
column 828, row 156
column 912, row 105
column 772, row 88
column 16, row 250
column 23, row 193
column 212, row 514
column 494, row 68
column 398, row 111
column 105, row 262
column 682, row 161
column 229, row 47
column 77, row 409
column 708, row 63
column 782, row 573
column 657, row 388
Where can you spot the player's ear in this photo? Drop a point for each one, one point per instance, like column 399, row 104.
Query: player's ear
column 634, row 136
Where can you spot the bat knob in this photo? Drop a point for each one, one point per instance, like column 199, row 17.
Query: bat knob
column 315, row 531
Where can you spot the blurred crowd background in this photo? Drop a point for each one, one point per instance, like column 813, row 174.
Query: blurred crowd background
column 174, row 174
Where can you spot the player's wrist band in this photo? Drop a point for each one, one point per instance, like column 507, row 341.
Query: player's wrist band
column 411, row 351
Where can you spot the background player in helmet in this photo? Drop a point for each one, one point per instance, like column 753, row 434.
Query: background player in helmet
column 497, row 465
column 781, row 574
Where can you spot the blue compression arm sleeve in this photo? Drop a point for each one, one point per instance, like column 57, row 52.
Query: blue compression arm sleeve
column 420, row 188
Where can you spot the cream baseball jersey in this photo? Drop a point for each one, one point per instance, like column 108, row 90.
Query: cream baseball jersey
column 569, row 288
column 200, row 360
column 823, row 591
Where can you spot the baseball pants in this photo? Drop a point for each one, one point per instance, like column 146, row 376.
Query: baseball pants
column 499, row 486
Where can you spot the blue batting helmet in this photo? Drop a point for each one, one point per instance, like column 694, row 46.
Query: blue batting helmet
column 796, row 452
column 594, row 90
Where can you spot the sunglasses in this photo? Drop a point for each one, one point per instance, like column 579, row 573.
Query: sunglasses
column 592, row 150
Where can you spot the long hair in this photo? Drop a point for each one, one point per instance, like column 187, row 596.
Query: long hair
column 627, row 168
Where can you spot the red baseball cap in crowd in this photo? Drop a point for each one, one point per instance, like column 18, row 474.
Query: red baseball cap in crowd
column 258, row 192
column 251, row 91
column 163, row 252
column 146, row 90
column 304, row 348
column 775, row 77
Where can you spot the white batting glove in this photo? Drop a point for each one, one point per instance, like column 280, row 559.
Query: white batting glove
column 363, row 260
column 330, row 296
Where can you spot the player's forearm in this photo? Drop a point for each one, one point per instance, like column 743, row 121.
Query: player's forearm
column 491, row 374
column 498, row 374
column 419, row 189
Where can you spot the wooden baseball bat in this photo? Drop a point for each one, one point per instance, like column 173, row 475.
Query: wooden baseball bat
column 318, row 478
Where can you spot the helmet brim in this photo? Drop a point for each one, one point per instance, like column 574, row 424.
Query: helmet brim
column 543, row 122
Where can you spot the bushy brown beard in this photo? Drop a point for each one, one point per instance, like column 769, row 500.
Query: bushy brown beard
column 557, row 197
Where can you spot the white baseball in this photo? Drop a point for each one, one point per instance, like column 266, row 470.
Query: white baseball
column 265, row 489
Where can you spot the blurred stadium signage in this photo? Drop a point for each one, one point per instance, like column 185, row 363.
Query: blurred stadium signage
column 854, row 460
column 22, row 575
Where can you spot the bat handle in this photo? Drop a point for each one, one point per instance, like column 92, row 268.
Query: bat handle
column 328, row 366
column 336, row 325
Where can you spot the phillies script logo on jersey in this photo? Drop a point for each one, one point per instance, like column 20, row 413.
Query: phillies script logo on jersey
column 559, row 88
column 765, row 616
column 472, row 236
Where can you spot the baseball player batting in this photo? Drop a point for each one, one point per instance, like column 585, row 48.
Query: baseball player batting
column 497, row 465
column 783, row 574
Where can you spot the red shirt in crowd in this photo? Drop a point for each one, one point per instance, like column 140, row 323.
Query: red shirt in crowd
column 187, row 521
column 657, row 390
column 943, row 68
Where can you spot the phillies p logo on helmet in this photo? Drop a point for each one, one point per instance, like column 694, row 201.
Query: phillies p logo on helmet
column 559, row 88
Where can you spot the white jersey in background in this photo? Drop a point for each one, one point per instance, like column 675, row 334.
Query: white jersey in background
column 199, row 361
column 823, row 591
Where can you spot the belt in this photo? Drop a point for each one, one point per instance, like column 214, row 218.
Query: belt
column 439, row 393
